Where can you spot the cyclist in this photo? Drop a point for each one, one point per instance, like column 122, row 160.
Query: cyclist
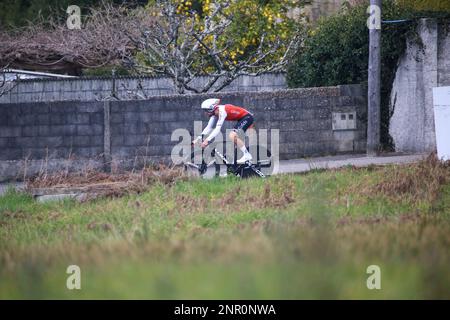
column 218, row 113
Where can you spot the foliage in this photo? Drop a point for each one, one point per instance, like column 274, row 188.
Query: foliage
column 336, row 51
column 107, row 71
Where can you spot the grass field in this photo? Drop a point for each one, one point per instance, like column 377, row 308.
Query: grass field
column 309, row 236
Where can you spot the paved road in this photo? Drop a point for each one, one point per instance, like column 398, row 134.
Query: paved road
column 361, row 160
column 303, row 165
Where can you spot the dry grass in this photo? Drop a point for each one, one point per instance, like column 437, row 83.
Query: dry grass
column 276, row 195
column 419, row 182
column 107, row 184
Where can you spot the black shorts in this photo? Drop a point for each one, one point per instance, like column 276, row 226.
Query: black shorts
column 244, row 123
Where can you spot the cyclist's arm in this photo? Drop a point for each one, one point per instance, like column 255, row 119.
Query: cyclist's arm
column 211, row 123
column 220, row 121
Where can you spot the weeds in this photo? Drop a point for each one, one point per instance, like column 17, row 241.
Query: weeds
column 419, row 182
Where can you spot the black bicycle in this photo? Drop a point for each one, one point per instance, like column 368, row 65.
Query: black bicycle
column 217, row 159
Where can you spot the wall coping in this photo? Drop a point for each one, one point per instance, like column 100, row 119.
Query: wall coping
column 354, row 90
column 117, row 77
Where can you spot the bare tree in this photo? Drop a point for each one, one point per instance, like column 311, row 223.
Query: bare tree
column 184, row 47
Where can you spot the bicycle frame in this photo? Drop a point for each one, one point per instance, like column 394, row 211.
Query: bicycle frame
column 233, row 167
column 203, row 166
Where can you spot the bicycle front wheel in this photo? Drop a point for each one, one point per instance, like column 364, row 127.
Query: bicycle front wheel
column 198, row 164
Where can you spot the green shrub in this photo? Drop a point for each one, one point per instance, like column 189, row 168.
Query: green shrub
column 107, row 71
column 336, row 51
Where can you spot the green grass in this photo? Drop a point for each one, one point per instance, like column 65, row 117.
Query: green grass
column 309, row 236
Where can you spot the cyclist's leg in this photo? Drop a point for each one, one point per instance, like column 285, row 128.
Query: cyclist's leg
column 243, row 125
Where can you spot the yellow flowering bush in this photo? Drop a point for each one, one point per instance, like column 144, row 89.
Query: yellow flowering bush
column 251, row 25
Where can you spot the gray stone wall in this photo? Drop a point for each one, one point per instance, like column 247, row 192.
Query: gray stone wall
column 321, row 8
column 124, row 133
column 316, row 9
column 124, row 88
column 51, row 130
column 422, row 67
column 443, row 55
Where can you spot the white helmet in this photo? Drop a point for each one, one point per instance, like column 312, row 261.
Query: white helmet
column 209, row 104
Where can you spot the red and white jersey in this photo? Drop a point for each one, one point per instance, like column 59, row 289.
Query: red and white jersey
column 234, row 113
column 227, row 112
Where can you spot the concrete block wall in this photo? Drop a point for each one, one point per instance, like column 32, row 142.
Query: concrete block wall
column 51, row 130
column 125, row 132
column 125, row 88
